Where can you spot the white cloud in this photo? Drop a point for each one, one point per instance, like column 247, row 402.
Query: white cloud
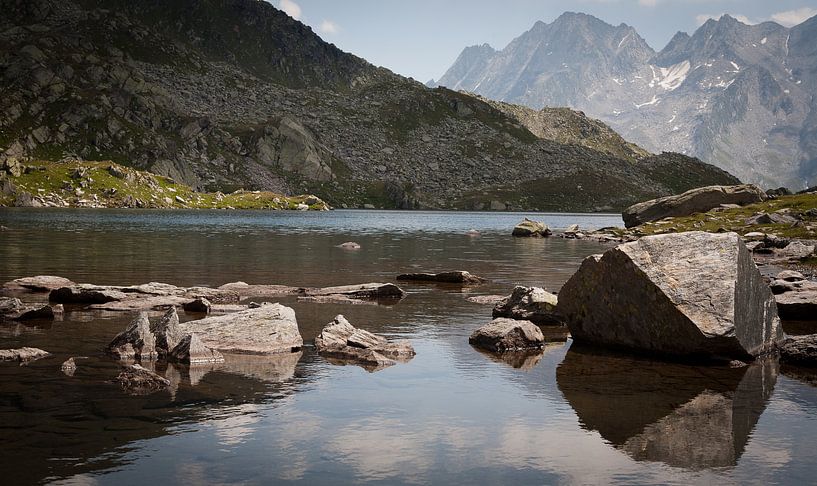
column 328, row 27
column 291, row 8
column 791, row 18
column 702, row 18
column 647, row 3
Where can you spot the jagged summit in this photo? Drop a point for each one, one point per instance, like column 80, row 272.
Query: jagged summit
column 736, row 95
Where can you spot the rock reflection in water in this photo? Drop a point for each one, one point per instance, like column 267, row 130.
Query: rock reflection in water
column 684, row 416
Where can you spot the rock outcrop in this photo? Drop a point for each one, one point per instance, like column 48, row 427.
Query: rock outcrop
column 687, row 294
column 268, row 329
column 455, row 277
column 340, row 340
column 529, row 304
column 138, row 380
column 501, row 335
column 799, row 350
column 13, row 309
column 693, row 201
column 167, row 333
column 530, row 228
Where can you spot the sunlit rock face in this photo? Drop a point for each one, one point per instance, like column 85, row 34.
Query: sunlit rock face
column 690, row 294
column 684, row 416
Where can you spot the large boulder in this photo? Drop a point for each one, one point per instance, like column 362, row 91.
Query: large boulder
column 269, row 329
column 137, row 342
column 686, row 294
column 530, row 228
column 342, row 341
column 529, row 304
column 693, row 201
column 501, row 335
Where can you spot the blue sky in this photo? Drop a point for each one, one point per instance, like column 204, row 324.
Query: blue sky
column 422, row 38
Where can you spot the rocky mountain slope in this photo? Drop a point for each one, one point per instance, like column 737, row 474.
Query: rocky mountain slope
column 228, row 94
column 738, row 96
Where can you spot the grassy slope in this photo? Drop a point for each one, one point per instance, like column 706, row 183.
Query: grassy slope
column 45, row 178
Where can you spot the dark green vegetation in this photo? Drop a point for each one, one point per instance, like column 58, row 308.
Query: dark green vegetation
column 224, row 95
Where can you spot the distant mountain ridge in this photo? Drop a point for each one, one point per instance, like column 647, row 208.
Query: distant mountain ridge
column 738, row 96
column 228, row 94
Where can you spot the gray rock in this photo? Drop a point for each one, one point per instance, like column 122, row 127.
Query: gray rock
column 166, row 332
column 191, row 350
column 137, row 380
column 694, row 201
column 799, row 350
column 370, row 291
column 501, row 335
column 529, row 228
column 137, row 342
column 790, row 276
column 39, row 283
column 342, row 341
column 350, row 245
column 796, row 301
column 69, row 367
column 269, row 329
column 529, row 304
column 457, row 277
column 687, row 294
column 25, row 200
column 201, row 306
column 13, row 309
column 23, row 355
column 85, row 294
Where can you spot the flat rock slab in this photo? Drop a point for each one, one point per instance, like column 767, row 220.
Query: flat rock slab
column 369, row 291
column 502, row 335
column 698, row 200
column 23, row 355
column 149, row 296
column 455, row 277
column 246, row 290
column 486, row 299
column 269, row 329
column 341, row 341
column 529, row 304
column 39, row 283
column 686, row 294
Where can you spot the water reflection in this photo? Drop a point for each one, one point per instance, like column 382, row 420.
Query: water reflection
column 684, row 416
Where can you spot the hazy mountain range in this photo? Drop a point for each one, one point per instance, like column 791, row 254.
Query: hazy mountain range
column 735, row 95
column 227, row 94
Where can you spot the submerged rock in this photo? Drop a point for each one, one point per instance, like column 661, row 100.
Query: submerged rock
column 350, row 245
column 23, row 355
column 501, row 335
column 698, row 200
column 137, row 342
column 529, row 304
column 530, row 228
column 137, row 380
column 457, row 277
column 69, row 367
column 687, row 294
column 341, row 340
column 269, row 329
column 191, row 350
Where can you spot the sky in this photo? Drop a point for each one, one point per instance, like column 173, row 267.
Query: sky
column 422, row 38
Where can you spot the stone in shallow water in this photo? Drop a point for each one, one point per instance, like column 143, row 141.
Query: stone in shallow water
column 39, row 283
column 137, row 342
column 137, row 380
column 342, row 341
column 529, row 304
column 202, row 306
column 269, row 329
column 799, row 350
column 191, row 350
column 501, row 335
column 529, row 228
column 456, row 277
column 166, row 332
column 69, row 367
column 687, row 294
column 23, row 355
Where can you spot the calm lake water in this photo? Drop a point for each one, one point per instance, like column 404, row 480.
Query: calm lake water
column 453, row 415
